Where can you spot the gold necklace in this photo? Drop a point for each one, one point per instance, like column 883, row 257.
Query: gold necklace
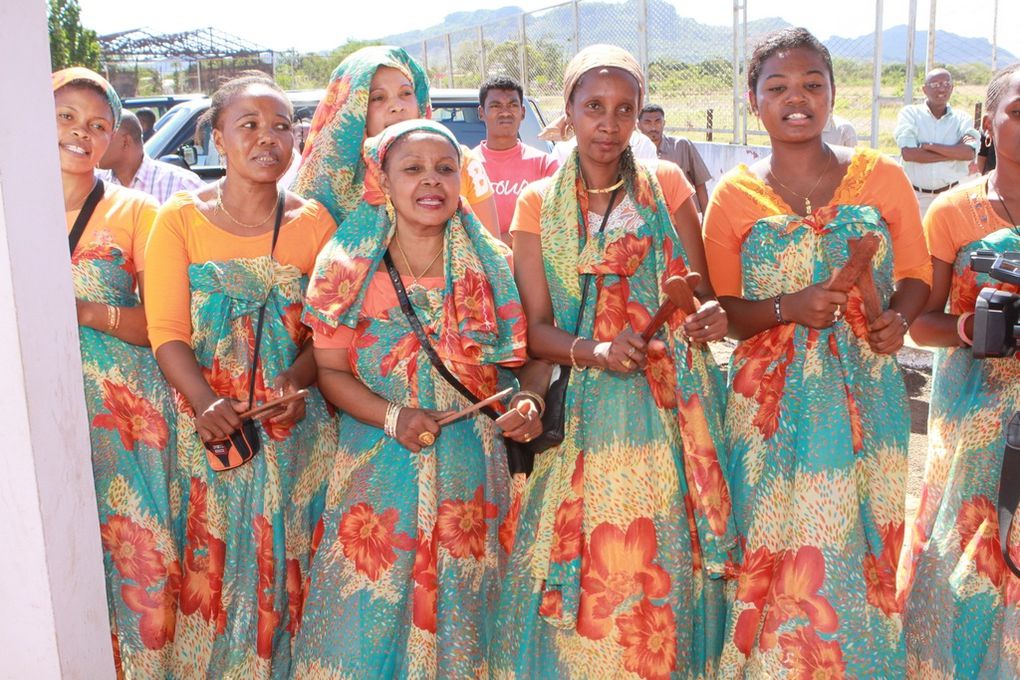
column 606, row 190
column 220, row 206
column 806, row 198
column 408, row 264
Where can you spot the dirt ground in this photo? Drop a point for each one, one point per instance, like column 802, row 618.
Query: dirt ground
column 916, row 364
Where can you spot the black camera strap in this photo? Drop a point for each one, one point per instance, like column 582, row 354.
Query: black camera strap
column 262, row 309
column 85, row 214
column 1009, row 489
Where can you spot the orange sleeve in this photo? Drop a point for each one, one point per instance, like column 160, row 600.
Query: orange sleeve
column 893, row 195
column 723, row 238
column 528, row 213
column 939, row 224
column 167, row 290
column 675, row 187
column 341, row 338
column 474, row 181
column 142, row 229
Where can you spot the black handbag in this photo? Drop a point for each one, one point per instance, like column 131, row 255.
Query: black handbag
column 85, row 214
column 554, row 417
column 245, row 442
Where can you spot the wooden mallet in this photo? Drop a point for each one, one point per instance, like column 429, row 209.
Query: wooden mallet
column 678, row 296
column 857, row 271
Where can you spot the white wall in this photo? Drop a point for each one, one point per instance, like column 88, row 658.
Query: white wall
column 721, row 158
column 54, row 622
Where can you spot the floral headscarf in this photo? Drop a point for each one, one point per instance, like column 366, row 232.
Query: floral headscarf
column 69, row 75
column 332, row 171
column 483, row 321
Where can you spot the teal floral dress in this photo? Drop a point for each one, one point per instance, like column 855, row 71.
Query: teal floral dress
column 132, row 426
column 963, row 614
column 247, row 532
column 625, row 529
column 817, row 426
column 411, row 548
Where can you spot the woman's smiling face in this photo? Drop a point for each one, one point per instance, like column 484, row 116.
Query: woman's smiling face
column 84, row 127
column 794, row 94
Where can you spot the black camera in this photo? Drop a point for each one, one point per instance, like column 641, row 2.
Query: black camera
column 996, row 312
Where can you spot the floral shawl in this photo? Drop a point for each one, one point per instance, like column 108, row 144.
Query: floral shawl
column 69, row 75
column 483, row 319
column 332, row 171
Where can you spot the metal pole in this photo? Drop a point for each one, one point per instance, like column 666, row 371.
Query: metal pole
column 524, row 53
column 643, row 36
column 908, row 87
column 929, row 62
column 577, row 27
column 449, row 59
column 876, row 76
column 425, row 55
column 481, row 53
column 995, row 36
column 743, row 66
column 736, row 72
column 198, row 73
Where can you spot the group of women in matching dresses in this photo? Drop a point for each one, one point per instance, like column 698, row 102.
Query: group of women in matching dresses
column 683, row 528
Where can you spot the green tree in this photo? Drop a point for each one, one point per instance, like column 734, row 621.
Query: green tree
column 71, row 44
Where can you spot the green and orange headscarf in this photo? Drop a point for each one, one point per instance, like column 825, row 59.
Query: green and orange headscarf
column 76, row 74
column 332, row 171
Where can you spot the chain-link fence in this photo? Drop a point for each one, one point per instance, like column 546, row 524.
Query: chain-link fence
column 696, row 69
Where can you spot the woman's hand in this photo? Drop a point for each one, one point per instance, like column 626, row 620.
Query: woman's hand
column 708, row 323
column 886, row 333
column 521, row 422
column 219, row 419
column 627, row 352
column 814, row 306
column 293, row 412
column 412, row 423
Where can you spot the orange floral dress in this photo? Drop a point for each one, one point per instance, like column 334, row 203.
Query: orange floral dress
column 817, row 427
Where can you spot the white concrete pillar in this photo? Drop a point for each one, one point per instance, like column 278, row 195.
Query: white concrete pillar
column 54, row 621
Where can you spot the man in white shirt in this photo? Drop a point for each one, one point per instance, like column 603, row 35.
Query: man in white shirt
column 937, row 143
column 126, row 164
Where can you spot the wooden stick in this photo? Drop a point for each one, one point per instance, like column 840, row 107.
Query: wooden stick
column 446, row 420
column 862, row 251
column 678, row 296
column 271, row 404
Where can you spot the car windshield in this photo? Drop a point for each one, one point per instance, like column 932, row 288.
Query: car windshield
column 162, row 132
column 462, row 119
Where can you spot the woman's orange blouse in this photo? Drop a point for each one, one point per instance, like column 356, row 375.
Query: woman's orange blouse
column 123, row 218
column 527, row 216
column 182, row 236
column 953, row 220
column 741, row 199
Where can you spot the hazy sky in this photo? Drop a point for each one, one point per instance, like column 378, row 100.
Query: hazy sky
column 312, row 25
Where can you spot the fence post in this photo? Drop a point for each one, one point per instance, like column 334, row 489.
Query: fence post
column 524, row 54
column 481, row 53
column 876, row 75
column 643, row 36
column 425, row 55
column 736, row 71
column 577, row 27
column 708, row 125
column 929, row 61
column 908, row 87
column 995, row 36
column 449, row 60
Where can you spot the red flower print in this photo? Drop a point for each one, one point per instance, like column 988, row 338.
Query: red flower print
column 336, row 96
column 297, row 331
column 648, row 636
column 856, row 425
column 675, row 266
column 512, row 311
column 197, row 522
column 618, row 567
column 133, row 416
column 295, row 596
column 880, row 571
column 795, row 588
column 472, row 298
column 461, row 526
column 752, row 587
column 369, row 539
column 757, row 379
column 267, row 617
column 624, row 255
column 101, row 248
column 552, row 604
column 978, row 527
column 566, row 540
column 710, row 493
column 611, row 309
column 338, row 285
column 157, row 623
column 133, row 550
column 661, row 374
column 406, row 347
column 810, row 658
column 224, row 383
column 426, row 583
column 202, row 590
column 644, row 195
column 508, row 528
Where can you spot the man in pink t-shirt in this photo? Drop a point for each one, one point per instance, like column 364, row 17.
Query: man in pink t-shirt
column 510, row 164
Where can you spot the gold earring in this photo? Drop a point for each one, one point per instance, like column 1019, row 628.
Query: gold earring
column 391, row 212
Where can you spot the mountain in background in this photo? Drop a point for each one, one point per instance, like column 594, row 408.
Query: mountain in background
column 681, row 38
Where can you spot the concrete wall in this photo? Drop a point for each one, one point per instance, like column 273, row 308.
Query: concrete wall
column 54, row 622
column 721, row 158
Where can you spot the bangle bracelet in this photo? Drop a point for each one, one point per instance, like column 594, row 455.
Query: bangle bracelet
column 573, row 360
column 961, row 329
column 116, row 318
column 539, row 401
column 390, row 422
column 778, row 309
column 109, row 317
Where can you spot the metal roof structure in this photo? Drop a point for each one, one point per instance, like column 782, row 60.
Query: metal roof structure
column 138, row 45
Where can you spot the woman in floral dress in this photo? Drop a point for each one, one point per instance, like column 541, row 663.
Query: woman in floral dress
column 817, row 422
column 129, row 406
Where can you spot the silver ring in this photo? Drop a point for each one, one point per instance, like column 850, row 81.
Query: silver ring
column 630, row 352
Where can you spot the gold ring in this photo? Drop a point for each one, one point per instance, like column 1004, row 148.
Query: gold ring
column 837, row 314
column 627, row 363
column 426, row 439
